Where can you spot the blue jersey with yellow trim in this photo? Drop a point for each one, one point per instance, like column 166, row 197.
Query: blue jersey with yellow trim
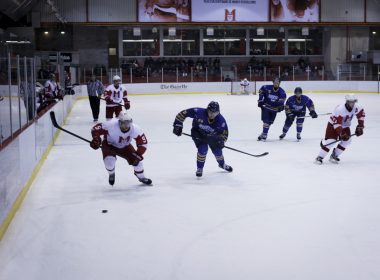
column 294, row 104
column 202, row 123
column 272, row 99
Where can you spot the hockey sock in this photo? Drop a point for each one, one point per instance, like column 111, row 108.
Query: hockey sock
column 285, row 129
column 299, row 127
column 201, row 160
column 109, row 163
column 265, row 129
column 139, row 170
column 219, row 157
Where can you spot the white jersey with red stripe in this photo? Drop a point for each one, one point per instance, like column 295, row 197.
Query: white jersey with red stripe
column 116, row 95
column 115, row 137
column 52, row 87
column 341, row 117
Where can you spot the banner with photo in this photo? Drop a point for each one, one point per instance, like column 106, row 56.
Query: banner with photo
column 230, row 10
column 294, row 10
column 163, row 10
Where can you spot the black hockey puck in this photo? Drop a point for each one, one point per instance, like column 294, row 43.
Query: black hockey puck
column 104, row 211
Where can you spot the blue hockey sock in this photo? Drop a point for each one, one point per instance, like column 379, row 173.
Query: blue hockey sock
column 201, row 160
column 265, row 129
column 285, row 129
column 299, row 127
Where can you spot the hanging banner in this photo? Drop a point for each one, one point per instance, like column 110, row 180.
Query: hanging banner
column 163, row 10
column 294, row 10
column 230, row 10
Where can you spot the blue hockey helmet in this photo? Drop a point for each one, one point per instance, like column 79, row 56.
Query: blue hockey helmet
column 298, row 91
column 213, row 109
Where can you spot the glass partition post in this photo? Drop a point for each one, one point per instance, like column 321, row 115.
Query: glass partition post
column 323, row 73
column 293, row 72
column 26, row 93
column 10, row 93
column 364, row 72
column 265, row 73
column 19, row 90
column 221, row 74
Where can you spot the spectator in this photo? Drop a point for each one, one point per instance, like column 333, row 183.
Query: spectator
column 228, row 79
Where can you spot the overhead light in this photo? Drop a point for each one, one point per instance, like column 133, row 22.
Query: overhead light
column 305, row 31
column 172, row 31
column 374, row 32
column 46, row 32
column 18, row 42
column 139, row 40
column 62, row 32
column 136, row 31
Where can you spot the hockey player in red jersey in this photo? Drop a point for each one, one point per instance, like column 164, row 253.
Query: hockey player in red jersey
column 118, row 134
column 116, row 98
column 338, row 128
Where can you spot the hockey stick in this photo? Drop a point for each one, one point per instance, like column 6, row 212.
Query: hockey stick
column 336, row 141
column 325, row 114
column 236, row 150
column 55, row 124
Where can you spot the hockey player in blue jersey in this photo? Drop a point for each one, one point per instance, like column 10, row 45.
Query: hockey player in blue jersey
column 271, row 101
column 209, row 129
column 295, row 107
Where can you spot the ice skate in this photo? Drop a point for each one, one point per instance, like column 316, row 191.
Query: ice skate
column 282, row 136
column 111, row 179
column 226, row 167
column 334, row 158
column 319, row 160
column 145, row 181
column 199, row 172
column 298, row 136
column 262, row 137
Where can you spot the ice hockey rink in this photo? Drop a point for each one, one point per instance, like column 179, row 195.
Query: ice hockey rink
column 275, row 217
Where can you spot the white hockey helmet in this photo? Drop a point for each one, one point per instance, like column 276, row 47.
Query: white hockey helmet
column 116, row 78
column 351, row 98
column 245, row 79
column 125, row 121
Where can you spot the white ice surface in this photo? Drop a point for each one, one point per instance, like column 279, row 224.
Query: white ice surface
column 276, row 217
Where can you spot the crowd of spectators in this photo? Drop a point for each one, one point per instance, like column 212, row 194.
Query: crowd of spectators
column 170, row 65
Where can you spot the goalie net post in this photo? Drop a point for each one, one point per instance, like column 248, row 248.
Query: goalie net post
column 238, row 89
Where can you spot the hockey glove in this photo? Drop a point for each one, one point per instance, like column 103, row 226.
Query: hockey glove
column 136, row 158
column 95, row 143
column 127, row 105
column 260, row 104
column 313, row 114
column 177, row 129
column 359, row 130
column 280, row 108
column 216, row 141
column 345, row 136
